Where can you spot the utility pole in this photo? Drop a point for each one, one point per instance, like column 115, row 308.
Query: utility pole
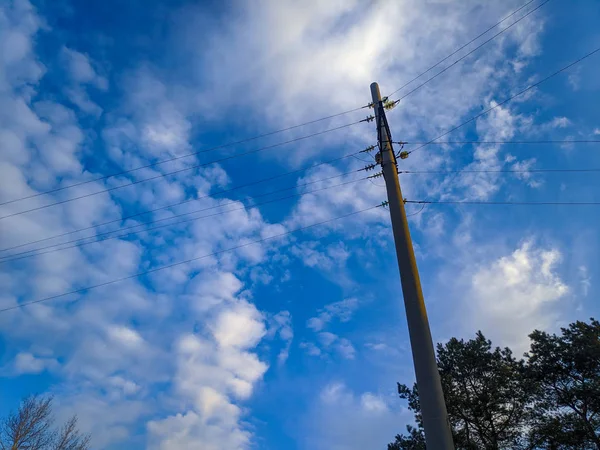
column 433, row 408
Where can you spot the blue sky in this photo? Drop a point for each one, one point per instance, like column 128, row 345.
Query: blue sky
column 294, row 342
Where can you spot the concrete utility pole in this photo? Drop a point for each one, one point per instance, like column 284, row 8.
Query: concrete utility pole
column 433, row 408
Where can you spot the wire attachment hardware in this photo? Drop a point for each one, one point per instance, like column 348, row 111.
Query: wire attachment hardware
column 372, row 105
column 369, row 119
column 369, row 167
column 370, row 148
column 377, row 175
column 404, row 154
column 389, row 104
column 384, row 204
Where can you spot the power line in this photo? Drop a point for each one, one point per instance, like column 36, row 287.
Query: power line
column 187, row 155
column 507, row 100
column 265, row 134
column 587, row 141
column 178, row 171
column 417, row 212
column 460, row 48
column 475, row 202
column 81, row 242
column 223, row 191
column 423, row 206
column 496, row 171
column 469, row 53
column 169, row 266
column 257, row 136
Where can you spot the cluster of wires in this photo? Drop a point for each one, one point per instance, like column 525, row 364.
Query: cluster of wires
column 101, row 232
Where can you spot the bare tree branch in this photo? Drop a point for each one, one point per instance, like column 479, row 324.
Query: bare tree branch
column 69, row 437
column 30, row 428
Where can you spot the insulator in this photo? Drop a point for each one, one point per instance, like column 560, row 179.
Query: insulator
column 368, row 149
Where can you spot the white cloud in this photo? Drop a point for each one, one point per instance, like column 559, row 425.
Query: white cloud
column 127, row 386
column 82, row 100
column 597, row 131
column 18, row 24
column 108, row 417
column 330, row 343
column 26, row 363
column 211, row 289
column 585, row 280
column 193, row 327
column 371, row 402
column 500, row 124
column 338, row 409
column 310, row 348
column 330, row 260
column 240, row 327
column 377, row 346
column 208, row 377
column 281, row 324
column 82, row 75
column 296, row 41
column 522, row 172
column 116, row 343
column 125, row 336
column 560, row 122
column 155, row 120
column 186, row 431
column 345, row 348
column 326, row 204
column 515, row 294
column 574, row 79
column 342, row 310
column 80, row 69
column 215, row 371
column 326, row 338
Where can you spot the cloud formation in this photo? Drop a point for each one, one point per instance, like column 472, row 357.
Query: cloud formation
column 175, row 357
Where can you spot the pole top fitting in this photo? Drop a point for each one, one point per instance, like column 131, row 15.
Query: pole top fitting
column 375, row 94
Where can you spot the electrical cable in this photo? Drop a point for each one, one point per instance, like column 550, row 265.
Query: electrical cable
column 418, row 212
column 469, row 53
column 474, row 202
column 496, row 171
column 230, row 144
column 375, row 184
column 169, row 266
column 456, row 174
column 177, row 171
column 223, row 191
column 80, row 242
column 588, row 141
column 508, row 99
